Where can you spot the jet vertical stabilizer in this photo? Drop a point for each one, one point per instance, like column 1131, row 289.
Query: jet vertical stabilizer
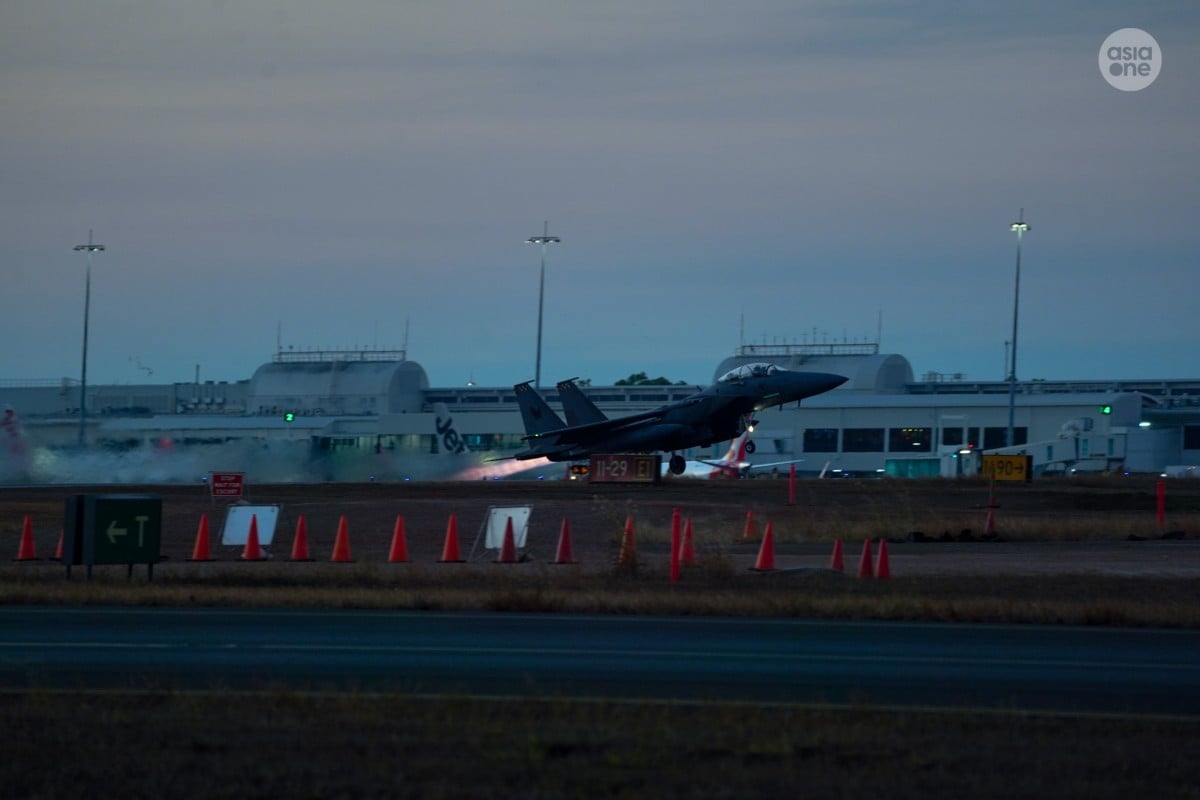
column 536, row 413
column 576, row 405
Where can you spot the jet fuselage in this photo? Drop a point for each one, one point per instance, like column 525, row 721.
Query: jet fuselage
column 712, row 415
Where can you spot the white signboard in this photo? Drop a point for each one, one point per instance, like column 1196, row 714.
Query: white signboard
column 237, row 524
column 497, row 520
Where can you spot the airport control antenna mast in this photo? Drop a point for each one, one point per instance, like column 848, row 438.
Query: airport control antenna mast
column 88, row 248
column 544, row 240
column 1019, row 228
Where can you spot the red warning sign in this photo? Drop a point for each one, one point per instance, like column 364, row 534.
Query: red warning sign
column 226, row 484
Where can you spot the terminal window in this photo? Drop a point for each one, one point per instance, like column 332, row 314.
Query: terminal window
column 862, row 440
column 994, row 437
column 909, row 440
column 820, row 440
column 1191, row 437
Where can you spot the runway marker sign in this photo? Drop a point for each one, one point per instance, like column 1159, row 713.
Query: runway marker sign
column 112, row 529
column 624, row 468
column 1008, row 467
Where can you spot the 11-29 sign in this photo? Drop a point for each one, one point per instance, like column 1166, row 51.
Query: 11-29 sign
column 625, row 468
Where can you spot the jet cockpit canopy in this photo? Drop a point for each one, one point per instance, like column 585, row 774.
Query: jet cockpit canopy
column 759, row 369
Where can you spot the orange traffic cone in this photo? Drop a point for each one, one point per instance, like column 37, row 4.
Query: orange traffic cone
column 508, row 548
column 687, row 551
column 749, row 532
column 864, row 562
column 835, row 561
column 628, row 555
column 58, row 550
column 399, row 550
column 563, row 553
column 450, row 552
column 201, row 551
column 341, row 544
column 882, row 569
column 252, row 551
column 766, row 550
column 300, row 541
column 26, row 550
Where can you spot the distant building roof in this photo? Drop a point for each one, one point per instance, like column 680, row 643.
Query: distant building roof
column 350, row 384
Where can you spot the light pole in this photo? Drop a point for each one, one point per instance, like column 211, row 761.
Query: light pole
column 543, row 240
column 88, row 248
column 1019, row 228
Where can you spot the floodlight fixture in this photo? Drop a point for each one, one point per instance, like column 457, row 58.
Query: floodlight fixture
column 1020, row 227
column 89, row 248
column 544, row 240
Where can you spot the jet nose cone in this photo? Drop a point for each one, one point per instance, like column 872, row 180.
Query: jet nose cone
column 824, row 381
column 836, row 380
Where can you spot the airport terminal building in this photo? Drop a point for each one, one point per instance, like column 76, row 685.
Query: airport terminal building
column 355, row 415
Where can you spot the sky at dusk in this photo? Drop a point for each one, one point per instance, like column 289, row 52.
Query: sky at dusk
column 365, row 174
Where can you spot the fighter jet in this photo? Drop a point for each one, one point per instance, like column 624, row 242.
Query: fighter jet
column 716, row 414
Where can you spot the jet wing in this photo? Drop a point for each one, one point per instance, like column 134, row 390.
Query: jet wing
column 593, row 431
column 576, row 434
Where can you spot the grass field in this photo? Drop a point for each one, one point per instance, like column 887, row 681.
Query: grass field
column 293, row 745
column 712, row 587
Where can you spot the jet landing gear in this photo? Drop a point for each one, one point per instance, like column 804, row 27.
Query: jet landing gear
column 677, row 464
column 749, row 423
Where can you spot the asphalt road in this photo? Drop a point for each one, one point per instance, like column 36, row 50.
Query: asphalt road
column 666, row 658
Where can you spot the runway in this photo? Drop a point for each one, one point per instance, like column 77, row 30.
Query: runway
column 620, row 657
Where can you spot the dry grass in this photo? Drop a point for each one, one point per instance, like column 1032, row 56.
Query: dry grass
column 713, row 587
column 826, row 525
column 799, row 525
column 286, row 744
